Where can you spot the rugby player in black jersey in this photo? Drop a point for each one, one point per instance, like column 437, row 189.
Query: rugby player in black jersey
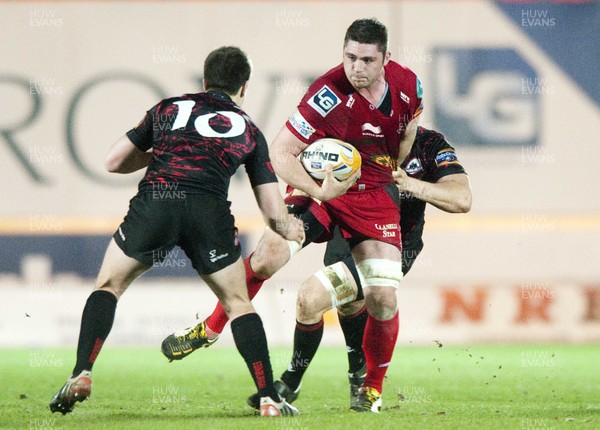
column 431, row 173
column 191, row 146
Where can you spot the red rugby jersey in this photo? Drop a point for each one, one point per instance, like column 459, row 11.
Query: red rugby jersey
column 332, row 108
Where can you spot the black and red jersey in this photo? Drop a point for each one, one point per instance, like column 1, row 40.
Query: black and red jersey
column 198, row 142
column 333, row 108
column 431, row 158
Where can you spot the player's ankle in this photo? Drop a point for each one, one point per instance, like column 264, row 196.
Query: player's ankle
column 210, row 333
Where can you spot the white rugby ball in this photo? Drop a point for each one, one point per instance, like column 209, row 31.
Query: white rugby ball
column 341, row 156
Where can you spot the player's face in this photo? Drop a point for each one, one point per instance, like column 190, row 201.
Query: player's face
column 363, row 63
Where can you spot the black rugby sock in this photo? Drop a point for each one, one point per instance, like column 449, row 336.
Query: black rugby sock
column 96, row 322
column 307, row 338
column 251, row 342
column 353, row 327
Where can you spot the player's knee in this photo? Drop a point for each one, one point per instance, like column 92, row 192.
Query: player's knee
column 381, row 302
column 337, row 282
column 311, row 301
column 350, row 309
column 270, row 255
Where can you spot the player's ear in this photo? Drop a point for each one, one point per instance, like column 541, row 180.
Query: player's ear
column 387, row 57
column 243, row 89
column 204, row 84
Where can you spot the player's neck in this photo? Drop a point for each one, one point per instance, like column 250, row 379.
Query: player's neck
column 375, row 92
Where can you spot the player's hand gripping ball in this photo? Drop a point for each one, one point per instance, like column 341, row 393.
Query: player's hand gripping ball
column 341, row 156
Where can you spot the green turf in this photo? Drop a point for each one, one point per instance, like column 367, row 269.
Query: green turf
column 479, row 387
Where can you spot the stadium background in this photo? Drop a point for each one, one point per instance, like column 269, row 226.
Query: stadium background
column 513, row 86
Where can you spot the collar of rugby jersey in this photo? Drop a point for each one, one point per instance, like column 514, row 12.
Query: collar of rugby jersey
column 219, row 95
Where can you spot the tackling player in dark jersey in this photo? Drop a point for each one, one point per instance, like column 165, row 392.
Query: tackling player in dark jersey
column 197, row 142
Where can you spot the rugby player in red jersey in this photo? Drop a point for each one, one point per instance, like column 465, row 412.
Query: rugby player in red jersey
column 372, row 103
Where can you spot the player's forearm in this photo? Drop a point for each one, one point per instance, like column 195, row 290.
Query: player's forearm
column 451, row 196
column 271, row 204
column 276, row 214
column 131, row 164
column 290, row 170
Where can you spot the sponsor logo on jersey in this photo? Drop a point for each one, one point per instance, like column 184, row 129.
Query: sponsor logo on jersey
column 384, row 160
column 301, row 125
column 385, row 229
column 445, row 157
column 350, row 101
column 370, row 130
column 404, row 97
column 324, row 101
column 368, row 127
column 413, row 166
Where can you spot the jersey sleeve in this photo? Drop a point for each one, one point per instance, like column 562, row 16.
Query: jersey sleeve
column 142, row 135
column 443, row 159
column 258, row 164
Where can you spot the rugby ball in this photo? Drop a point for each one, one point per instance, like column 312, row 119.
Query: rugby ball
column 341, row 156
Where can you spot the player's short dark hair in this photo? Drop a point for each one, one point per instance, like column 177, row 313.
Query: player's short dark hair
column 226, row 69
column 368, row 30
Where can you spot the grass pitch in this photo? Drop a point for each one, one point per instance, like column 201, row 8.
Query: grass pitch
column 437, row 387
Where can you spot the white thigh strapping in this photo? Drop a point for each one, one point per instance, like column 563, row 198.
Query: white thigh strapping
column 379, row 272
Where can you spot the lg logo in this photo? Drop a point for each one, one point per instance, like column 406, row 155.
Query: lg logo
column 479, row 97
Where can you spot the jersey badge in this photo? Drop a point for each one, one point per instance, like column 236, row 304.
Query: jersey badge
column 413, row 166
column 445, row 157
column 324, row 101
column 301, row 125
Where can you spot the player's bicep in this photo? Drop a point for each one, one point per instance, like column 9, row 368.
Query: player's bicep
column 411, row 131
column 407, row 140
column 460, row 179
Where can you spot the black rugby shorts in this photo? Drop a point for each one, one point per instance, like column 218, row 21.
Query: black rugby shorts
column 200, row 224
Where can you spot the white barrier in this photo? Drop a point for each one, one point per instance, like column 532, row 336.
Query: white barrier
column 46, row 314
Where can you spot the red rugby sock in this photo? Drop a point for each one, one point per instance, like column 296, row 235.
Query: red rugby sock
column 217, row 320
column 378, row 345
